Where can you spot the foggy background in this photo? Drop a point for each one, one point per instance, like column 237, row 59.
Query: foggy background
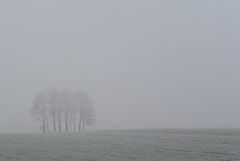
column 146, row 64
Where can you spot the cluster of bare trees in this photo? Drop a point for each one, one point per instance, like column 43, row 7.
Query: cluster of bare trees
column 63, row 110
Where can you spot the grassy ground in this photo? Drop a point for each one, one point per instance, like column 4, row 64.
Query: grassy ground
column 124, row 145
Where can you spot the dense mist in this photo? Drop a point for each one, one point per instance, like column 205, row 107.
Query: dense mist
column 144, row 64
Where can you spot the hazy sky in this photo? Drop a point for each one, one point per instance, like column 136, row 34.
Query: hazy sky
column 145, row 63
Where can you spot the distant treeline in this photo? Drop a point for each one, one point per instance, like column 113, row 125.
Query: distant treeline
column 63, row 110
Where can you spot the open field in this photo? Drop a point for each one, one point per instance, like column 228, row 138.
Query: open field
column 127, row 145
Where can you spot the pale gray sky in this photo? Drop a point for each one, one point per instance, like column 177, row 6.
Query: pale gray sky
column 146, row 63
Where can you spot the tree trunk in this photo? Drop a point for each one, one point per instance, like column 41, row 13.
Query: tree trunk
column 66, row 122
column 47, row 125
column 59, row 122
column 79, row 124
column 83, row 126
column 74, row 123
column 43, row 126
column 43, row 121
column 54, row 123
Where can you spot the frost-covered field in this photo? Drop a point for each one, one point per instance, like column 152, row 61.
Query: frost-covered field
column 129, row 145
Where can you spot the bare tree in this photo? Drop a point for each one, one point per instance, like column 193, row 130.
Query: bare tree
column 53, row 106
column 85, row 109
column 39, row 111
column 73, row 112
column 88, row 112
column 66, row 104
column 78, row 98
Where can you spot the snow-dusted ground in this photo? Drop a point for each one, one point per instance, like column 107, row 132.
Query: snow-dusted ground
column 133, row 145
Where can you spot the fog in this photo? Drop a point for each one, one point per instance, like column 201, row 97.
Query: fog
column 145, row 64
